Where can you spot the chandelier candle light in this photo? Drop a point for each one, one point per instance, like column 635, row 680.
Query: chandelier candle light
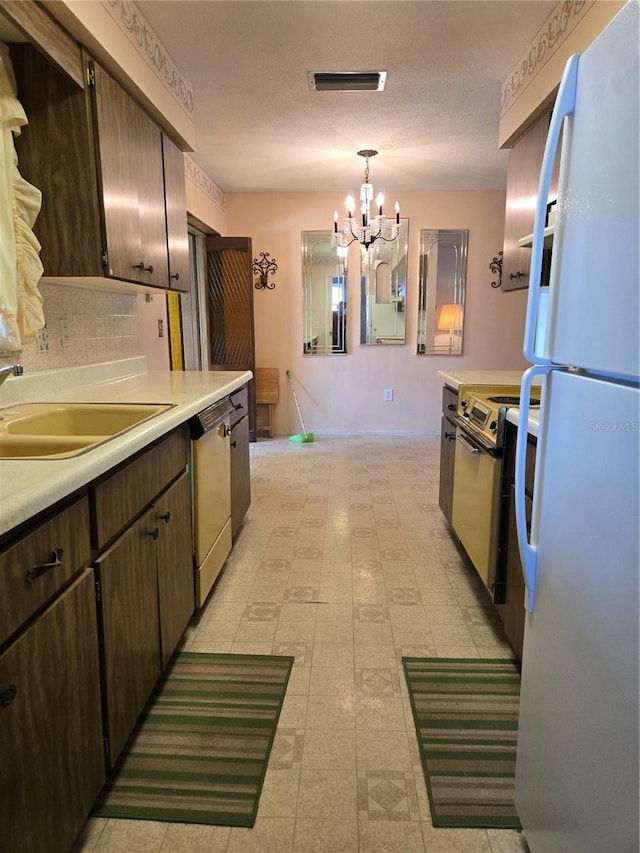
column 372, row 228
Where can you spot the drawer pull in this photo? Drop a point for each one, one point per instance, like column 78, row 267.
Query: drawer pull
column 37, row 571
column 452, row 408
column 8, row 695
column 165, row 517
column 153, row 533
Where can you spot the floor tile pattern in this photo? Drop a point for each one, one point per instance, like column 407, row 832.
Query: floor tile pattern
column 346, row 562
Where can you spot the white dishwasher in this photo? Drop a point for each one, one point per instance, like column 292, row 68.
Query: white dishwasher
column 211, row 484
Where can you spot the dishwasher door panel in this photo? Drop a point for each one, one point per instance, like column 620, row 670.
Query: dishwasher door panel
column 212, row 505
column 476, row 504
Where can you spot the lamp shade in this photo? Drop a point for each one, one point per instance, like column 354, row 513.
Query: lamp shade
column 450, row 318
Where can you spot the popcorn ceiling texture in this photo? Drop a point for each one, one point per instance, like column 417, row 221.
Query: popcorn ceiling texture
column 102, row 327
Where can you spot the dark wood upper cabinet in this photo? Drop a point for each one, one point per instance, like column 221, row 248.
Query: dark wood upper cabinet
column 112, row 183
column 175, row 195
column 523, row 175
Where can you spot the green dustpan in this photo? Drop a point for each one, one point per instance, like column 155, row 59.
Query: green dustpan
column 303, row 437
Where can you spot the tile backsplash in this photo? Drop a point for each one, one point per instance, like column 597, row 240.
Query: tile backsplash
column 84, row 326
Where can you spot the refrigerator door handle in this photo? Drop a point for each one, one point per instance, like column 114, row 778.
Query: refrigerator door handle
column 528, row 551
column 564, row 106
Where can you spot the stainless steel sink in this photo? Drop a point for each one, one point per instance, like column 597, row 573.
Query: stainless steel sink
column 61, row 430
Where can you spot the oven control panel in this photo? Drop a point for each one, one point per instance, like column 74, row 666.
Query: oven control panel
column 483, row 409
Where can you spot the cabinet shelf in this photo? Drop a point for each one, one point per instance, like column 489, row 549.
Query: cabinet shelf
column 527, row 242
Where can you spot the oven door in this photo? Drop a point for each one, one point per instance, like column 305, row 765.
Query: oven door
column 476, row 504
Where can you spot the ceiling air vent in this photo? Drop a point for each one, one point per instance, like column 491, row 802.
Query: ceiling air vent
column 347, row 81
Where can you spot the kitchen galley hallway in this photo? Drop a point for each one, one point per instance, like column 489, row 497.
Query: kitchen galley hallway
column 346, row 562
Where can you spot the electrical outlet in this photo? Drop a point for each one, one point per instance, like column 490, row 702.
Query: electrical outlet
column 42, row 340
column 64, row 331
column 388, row 395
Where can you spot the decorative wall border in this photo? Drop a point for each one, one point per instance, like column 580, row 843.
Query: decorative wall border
column 197, row 176
column 134, row 25
column 559, row 23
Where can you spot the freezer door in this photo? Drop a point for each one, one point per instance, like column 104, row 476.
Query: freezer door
column 577, row 761
column 593, row 319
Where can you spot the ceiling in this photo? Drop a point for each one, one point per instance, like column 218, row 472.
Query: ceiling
column 260, row 128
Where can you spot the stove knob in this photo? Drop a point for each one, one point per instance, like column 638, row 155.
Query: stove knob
column 464, row 404
column 493, row 426
column 466, row 415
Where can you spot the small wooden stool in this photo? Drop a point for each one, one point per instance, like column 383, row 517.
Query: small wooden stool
column 267, row 395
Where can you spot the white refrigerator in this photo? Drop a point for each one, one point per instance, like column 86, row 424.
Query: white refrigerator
column 576, row 787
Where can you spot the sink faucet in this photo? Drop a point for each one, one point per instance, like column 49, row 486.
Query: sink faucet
column 10, row 370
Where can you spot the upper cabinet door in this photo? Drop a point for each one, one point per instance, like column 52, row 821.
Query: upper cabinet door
column 129, row 153
column 176, row 210
column 525, row 160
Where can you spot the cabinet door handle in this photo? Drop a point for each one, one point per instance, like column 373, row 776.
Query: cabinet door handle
column 37, row 571
column 450, row 435
column 142, row 267
column 153, row 533
column 452, row 408
column 516, row 275
column 8, row 695
column 165, row 517
column 175, row 276
column 233, row 444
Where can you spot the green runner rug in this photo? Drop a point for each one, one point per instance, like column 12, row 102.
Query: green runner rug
column 466, row 717
column 200, row 750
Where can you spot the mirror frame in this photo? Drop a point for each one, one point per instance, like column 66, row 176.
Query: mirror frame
column 331, row 339
column 393, row 255
column 434, row 306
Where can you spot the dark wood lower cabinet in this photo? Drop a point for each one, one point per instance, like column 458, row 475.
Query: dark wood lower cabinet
column 512, row 611
column 176, row 592
column 130, row 625
column 51, row 756
column 240, row 474
column 447, row 451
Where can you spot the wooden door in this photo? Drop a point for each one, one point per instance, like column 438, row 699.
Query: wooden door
column 128, row 608
column 51, row 752
column 129, row 153
column 525, row 161
column 176, row 590
column 231, row 342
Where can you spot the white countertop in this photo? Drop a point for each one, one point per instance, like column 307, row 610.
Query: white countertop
column 455, row 378
column 513, row 416
column 28, row 487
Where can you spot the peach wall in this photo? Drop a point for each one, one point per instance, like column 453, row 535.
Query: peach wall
column 204, row 208
column 341, row 393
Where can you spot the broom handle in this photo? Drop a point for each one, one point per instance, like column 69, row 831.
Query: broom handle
column 295, row 400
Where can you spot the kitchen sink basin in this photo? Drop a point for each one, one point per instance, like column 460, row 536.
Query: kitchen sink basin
column 60, row 430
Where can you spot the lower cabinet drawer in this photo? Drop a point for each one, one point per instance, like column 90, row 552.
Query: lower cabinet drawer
column 35, row 567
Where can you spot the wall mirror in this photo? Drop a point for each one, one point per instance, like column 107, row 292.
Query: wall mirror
column 383, row 284
column 443, row 273
column 324, row 302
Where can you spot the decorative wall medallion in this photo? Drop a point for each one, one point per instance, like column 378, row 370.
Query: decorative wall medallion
column 195, row 174
column 560, row 22
column 133, row 23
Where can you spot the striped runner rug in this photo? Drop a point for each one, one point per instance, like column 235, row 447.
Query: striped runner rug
column 199, row 752
column 466, row 717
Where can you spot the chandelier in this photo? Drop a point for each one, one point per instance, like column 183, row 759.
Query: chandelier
column 368, row 228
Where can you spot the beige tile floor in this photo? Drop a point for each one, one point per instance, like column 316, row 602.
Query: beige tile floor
column 346, row 562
